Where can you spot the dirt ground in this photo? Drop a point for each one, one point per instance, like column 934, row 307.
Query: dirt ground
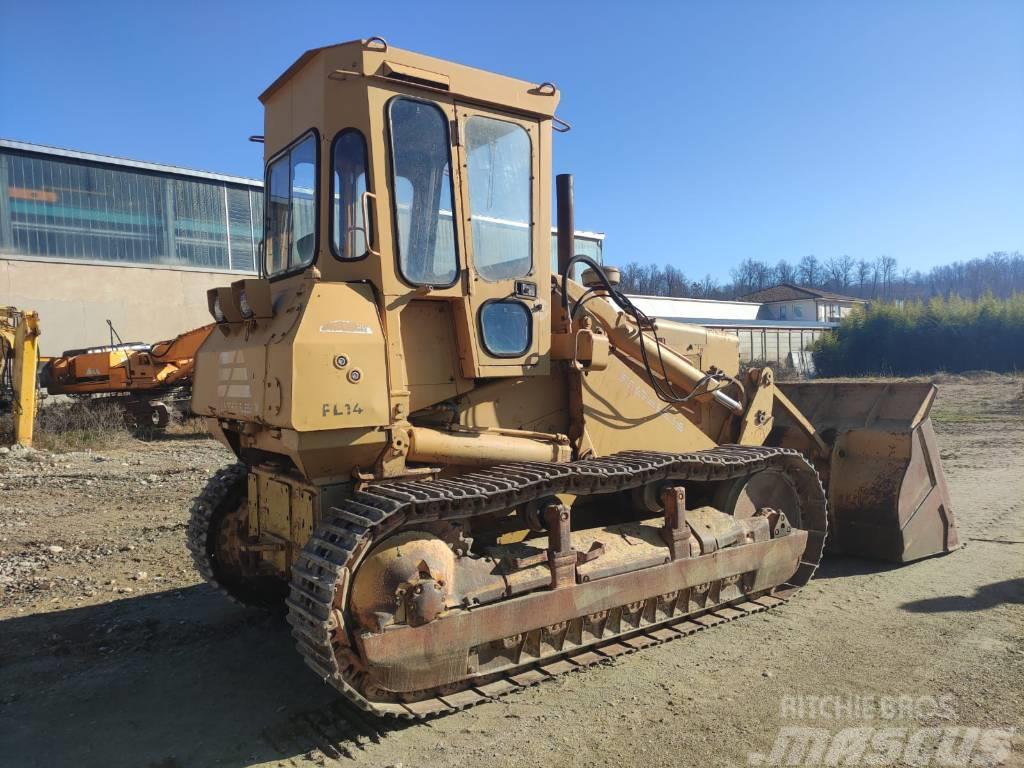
column 112, row 653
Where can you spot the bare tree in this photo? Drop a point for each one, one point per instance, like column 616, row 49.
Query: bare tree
column 863, row 271
column 809, row 271
column 676, row 283
column 887, row 271
column 905, row 275
column 764, row 275
column 629, row 277
column 649, row 280
column 705, row 288
column 784, row 272
column 839, row 270
column 743, row 276
column 1000, row 273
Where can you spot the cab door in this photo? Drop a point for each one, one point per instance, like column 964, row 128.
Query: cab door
column 505, row 316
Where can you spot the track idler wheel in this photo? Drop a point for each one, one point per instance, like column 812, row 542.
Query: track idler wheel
column 159, row 416
column 218, row 526
column 153, row 417
column 744, row 497
column 404, row 580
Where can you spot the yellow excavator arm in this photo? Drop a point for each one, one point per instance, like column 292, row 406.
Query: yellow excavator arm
column 19, row 357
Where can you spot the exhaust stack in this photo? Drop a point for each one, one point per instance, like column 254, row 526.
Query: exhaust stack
column 566, row 220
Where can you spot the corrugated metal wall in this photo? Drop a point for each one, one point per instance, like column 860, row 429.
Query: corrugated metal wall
column 72, row 209
column 772, row 345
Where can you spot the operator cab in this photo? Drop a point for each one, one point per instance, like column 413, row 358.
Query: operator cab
column 422, row 178
column 406, row 250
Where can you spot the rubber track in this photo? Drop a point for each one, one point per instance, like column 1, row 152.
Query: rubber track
column 322, row 574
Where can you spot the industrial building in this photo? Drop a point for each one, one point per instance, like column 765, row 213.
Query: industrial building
column 763, row 340
column 87, row 238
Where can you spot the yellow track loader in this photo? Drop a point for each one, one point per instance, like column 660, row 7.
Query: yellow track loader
column 461, row 474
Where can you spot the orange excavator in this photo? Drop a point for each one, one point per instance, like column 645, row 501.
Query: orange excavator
column 150, row 380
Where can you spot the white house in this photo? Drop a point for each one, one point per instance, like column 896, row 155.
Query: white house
column 794, row 302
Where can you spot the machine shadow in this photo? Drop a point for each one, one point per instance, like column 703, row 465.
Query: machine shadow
column 838, row 567
column 1008, row 592
column 179, row 678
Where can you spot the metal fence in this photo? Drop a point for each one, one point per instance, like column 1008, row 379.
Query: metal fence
column 70, row 208
column 771, row 345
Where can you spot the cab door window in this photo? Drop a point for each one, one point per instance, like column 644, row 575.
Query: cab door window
column 498, row 157
column 422, row 193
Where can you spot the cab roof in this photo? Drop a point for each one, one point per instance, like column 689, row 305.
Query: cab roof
column 374, row 58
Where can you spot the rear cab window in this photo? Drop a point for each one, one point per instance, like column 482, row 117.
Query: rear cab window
column 349, row 230
column 291, row 213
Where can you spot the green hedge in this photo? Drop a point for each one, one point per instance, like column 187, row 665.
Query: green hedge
column 951, row 335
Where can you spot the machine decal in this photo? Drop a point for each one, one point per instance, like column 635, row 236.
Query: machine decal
column 647, row 397
column 340, row 409
column 346, row 326
column 231, row 372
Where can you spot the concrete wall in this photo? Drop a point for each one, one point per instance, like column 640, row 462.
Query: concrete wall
column 75, row 299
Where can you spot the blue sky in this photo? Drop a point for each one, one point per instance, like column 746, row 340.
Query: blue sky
column 704, row 133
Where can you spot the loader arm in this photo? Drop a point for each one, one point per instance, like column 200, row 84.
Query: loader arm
column 642, row 348
column 821, row 448
column 873, row 444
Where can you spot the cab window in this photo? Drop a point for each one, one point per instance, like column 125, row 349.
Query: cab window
column 348, row 186
column 422, row 193
column 506, row 328
column 498, row 156
column 291, row 208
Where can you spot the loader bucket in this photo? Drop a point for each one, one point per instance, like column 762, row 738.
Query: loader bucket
column 887, row 493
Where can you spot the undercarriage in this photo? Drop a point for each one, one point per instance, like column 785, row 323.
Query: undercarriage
column 399, row 606
column 152, row 409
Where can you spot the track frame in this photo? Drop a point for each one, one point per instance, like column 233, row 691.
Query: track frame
column 321, row 577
